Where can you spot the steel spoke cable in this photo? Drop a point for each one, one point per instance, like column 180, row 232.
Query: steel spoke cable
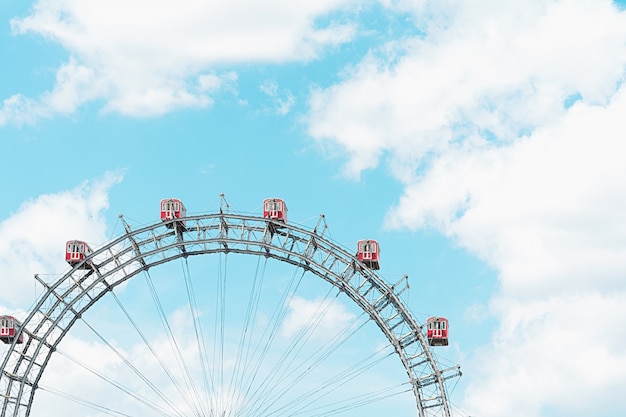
column 215, row 388
column 459, row 410
column 200, row 340
column 153, row 387
column 326, row 387
column 153, row 351
column 218, row 334
column 290, row 377
column 273, row 326
column 121, row 387
column 250, row 355
column 223, row 320
column 290, row 380
column 176, row 349
column 358, row 401
column 289, row 354
column 224, row 282
column 308, row 365
column 325, row 350
column 152, row 241
column 243, row 350
column 277, row 319
column 84, row 402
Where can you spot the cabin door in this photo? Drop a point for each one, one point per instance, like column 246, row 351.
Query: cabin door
column 76, row 252
column 5, row 327
column 441, row 329
column 436, row 331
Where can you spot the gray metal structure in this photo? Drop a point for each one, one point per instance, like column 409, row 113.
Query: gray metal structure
column 65, row 300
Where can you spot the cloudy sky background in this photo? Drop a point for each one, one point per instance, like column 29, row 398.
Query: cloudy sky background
column 483, row 141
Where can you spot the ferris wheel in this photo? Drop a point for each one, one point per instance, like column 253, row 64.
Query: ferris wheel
column 275, row 320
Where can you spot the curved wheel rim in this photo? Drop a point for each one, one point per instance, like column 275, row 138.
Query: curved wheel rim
column 140, row 250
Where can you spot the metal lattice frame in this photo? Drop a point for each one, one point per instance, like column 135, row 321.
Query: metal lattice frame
column 136, row 251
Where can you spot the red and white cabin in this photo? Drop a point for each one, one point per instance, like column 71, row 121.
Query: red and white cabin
column 368, row 252
column 10, row 330
column 76, row 251
column 173, row 208
column 275, row 209
column 437, row 331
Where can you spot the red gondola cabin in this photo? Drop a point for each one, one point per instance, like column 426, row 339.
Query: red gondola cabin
column 76, row 251
column 275, row 209
column 368, row 252
column 173, row 208
column 437, row 331
column 10, row 330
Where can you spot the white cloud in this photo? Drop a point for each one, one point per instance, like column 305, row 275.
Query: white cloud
column 257, row 368
column 75, row 84
column 95, row 373
column 564, row 354
column 141, row 57
column 20, row 110
column 213, row 82
column 316, row 318
column 546, row 211
column 474, row 119
column 490, row 72
column 32, row 240
column 282, row 100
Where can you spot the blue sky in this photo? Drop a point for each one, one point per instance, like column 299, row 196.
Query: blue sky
column 481, row 142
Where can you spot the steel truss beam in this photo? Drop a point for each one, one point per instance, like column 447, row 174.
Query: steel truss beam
column 139, row 250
